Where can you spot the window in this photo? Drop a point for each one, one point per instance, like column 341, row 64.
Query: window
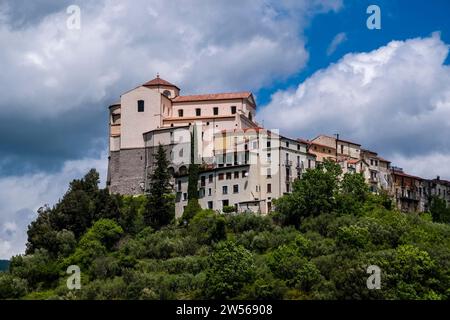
column 342, row 149
column 236, row 174
column 269, row 188
column 268, row 143
column 198, row 112
column 184, row 196
column 225, row 190
column 268, row 157
column 236, row 188
column 269, row 173
column 287, row 144
column 209, row 191
column 180, row 112
column 225, row 203
column 233, row 109
column 298, row 146
column 220, row 176
column 244, row 173
column 257, row 188
column 210, row 204
column 287, row 187
column 210, row 178
column 179, row 185
column 309, row 163
column 166, row 93
column 228, row 175
column 216, row 111
column 269, row 206
column 202, row 181
column 140, row 105
column 250, row 116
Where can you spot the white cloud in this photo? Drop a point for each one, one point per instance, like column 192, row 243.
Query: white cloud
column 21, row 196
column 426, row 165
column 337, row 40
column 48, row 69
column 395, row 100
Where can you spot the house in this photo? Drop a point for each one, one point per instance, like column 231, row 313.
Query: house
column 242, row 164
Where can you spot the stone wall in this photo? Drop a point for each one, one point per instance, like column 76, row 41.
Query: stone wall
column 126, row 171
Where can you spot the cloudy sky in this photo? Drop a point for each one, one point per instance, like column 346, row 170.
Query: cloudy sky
column 313, row 66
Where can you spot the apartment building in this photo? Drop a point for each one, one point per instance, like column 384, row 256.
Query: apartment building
column 409, row 191
column 377, row 174
column 334, row 148
column 242, row 164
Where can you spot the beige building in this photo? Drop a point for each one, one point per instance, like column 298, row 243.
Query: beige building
column 242, row 164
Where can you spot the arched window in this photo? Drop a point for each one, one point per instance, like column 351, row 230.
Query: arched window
column 171, row 171
column 183, row 170
column 166, row 93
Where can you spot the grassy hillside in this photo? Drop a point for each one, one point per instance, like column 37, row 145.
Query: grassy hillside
column 318, row 245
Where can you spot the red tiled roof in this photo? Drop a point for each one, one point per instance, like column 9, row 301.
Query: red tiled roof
column 353, row 161
column 213, row 96
column 346, row 141
column 383, row 160
column 159, row 82
column 304, row 141
column 402, row 174
column 320, row 145
column 256, row 129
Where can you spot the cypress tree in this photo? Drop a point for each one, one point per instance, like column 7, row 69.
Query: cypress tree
column 193, row 207
column 160, row 209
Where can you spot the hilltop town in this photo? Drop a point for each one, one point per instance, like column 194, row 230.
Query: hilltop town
column 242, row 164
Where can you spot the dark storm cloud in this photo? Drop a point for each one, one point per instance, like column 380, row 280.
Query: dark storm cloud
column 25, row 13
column 30, row 145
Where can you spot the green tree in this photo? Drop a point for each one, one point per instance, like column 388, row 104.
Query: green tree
column 97, row 241
column 230, row 268
column 353, row 193
column 208, row 226
column 12, row 287
column 39, row 269
column 160, row 209
column 193, row 206
column 312, row 195
column 439, row 210
column 82, row 205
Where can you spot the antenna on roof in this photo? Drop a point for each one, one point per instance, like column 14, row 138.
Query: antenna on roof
column 157, row 74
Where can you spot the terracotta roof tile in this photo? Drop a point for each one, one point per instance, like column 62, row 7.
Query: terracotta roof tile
column 159, row 82
column 213, row 96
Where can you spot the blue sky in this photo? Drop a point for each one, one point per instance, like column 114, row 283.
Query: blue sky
column 401, row 20
column 312, row 64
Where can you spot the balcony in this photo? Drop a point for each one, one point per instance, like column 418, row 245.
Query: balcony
column 288, row 163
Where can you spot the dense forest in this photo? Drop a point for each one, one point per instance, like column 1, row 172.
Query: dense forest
column 316, row 245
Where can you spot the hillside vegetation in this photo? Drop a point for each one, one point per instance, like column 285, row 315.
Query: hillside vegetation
column 317, row 245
